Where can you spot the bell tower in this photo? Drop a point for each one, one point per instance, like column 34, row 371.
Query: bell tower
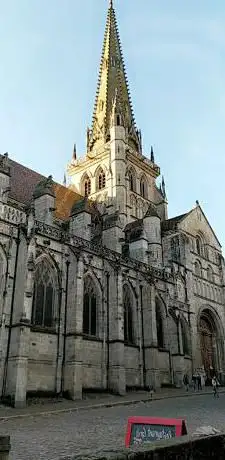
column 114, row 144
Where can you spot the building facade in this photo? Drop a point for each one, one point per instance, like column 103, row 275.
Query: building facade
column 98, row 288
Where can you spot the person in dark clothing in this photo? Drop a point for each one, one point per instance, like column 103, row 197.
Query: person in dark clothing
column 199, row 381
column 186, row 381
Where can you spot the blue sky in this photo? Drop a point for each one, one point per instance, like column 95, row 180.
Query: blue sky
column 174, row 55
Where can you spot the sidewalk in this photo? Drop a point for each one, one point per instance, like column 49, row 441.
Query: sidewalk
column 96, row 401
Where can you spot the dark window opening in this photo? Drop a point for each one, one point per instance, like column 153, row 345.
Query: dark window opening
column 89, row 310
column 87, row 187
column 143, row 188
column 101, row 181
column 159, row 326
column 44, row 295
column 128, row 316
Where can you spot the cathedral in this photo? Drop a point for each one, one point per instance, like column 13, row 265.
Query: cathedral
column 99, row 289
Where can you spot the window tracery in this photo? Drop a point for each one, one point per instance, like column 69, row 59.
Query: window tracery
column 45, row 294
column 101, row 179
column 89, row 308
column 87, row 186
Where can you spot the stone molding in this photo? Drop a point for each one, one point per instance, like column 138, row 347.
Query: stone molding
column 101, row 251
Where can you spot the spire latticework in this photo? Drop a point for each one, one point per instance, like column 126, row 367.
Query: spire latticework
column 112, row 86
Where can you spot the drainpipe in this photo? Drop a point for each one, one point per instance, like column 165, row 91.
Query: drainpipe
column 65, row 328
column 5, row 371
column 143, row 337
column 107, row 338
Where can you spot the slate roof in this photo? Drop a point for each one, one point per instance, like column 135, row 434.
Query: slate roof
column 171, row 224
column 23, row 182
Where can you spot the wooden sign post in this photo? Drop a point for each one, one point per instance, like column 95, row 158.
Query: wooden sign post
column 141, row 430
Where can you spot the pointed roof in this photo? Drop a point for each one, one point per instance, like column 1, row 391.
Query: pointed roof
column 112, row 87
column 175, row 222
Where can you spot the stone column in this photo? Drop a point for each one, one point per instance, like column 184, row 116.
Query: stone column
column 74, row 339
column 117, row 380
column 178, row 359
column 19, row 331
column 140, row 328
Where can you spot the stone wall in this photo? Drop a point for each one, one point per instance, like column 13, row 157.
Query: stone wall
column 132, row 368
column 93, row 365
column 183, row 448
column 42, row 362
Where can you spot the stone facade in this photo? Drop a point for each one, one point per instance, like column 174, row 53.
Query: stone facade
column 98, row 288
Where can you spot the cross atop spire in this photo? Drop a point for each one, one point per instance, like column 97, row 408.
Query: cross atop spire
column 112, row 83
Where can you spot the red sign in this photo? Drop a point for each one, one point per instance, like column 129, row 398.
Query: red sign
column 141, row 430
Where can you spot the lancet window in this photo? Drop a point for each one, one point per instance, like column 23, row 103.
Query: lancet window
column 45, row 294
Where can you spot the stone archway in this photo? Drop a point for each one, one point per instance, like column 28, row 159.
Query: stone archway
column 210, row 343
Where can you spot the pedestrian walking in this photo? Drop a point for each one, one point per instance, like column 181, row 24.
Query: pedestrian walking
column 194, row 382
column 150, row 389
column 215, row 387
column 186, row 381
column 199, row 382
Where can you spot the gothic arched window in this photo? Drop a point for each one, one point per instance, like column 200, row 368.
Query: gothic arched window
column 159, row 325
column 201, row 247
column 143, row 187
column 87, row 186
column 45, row 294
column 128, row 316
column 89, row 308
column 132, row 180
column 101, row 179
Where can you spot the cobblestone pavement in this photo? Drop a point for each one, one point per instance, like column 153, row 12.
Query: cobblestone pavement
column 52, row 437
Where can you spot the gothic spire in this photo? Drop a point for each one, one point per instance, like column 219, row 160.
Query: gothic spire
column 64, row 180
column 163, row 187
column 152, row 155
column 74, row 154
column 112, row 83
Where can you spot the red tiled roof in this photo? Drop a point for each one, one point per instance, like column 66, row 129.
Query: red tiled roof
column 23, row 182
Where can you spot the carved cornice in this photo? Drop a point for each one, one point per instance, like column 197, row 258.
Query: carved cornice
column 101, row 251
